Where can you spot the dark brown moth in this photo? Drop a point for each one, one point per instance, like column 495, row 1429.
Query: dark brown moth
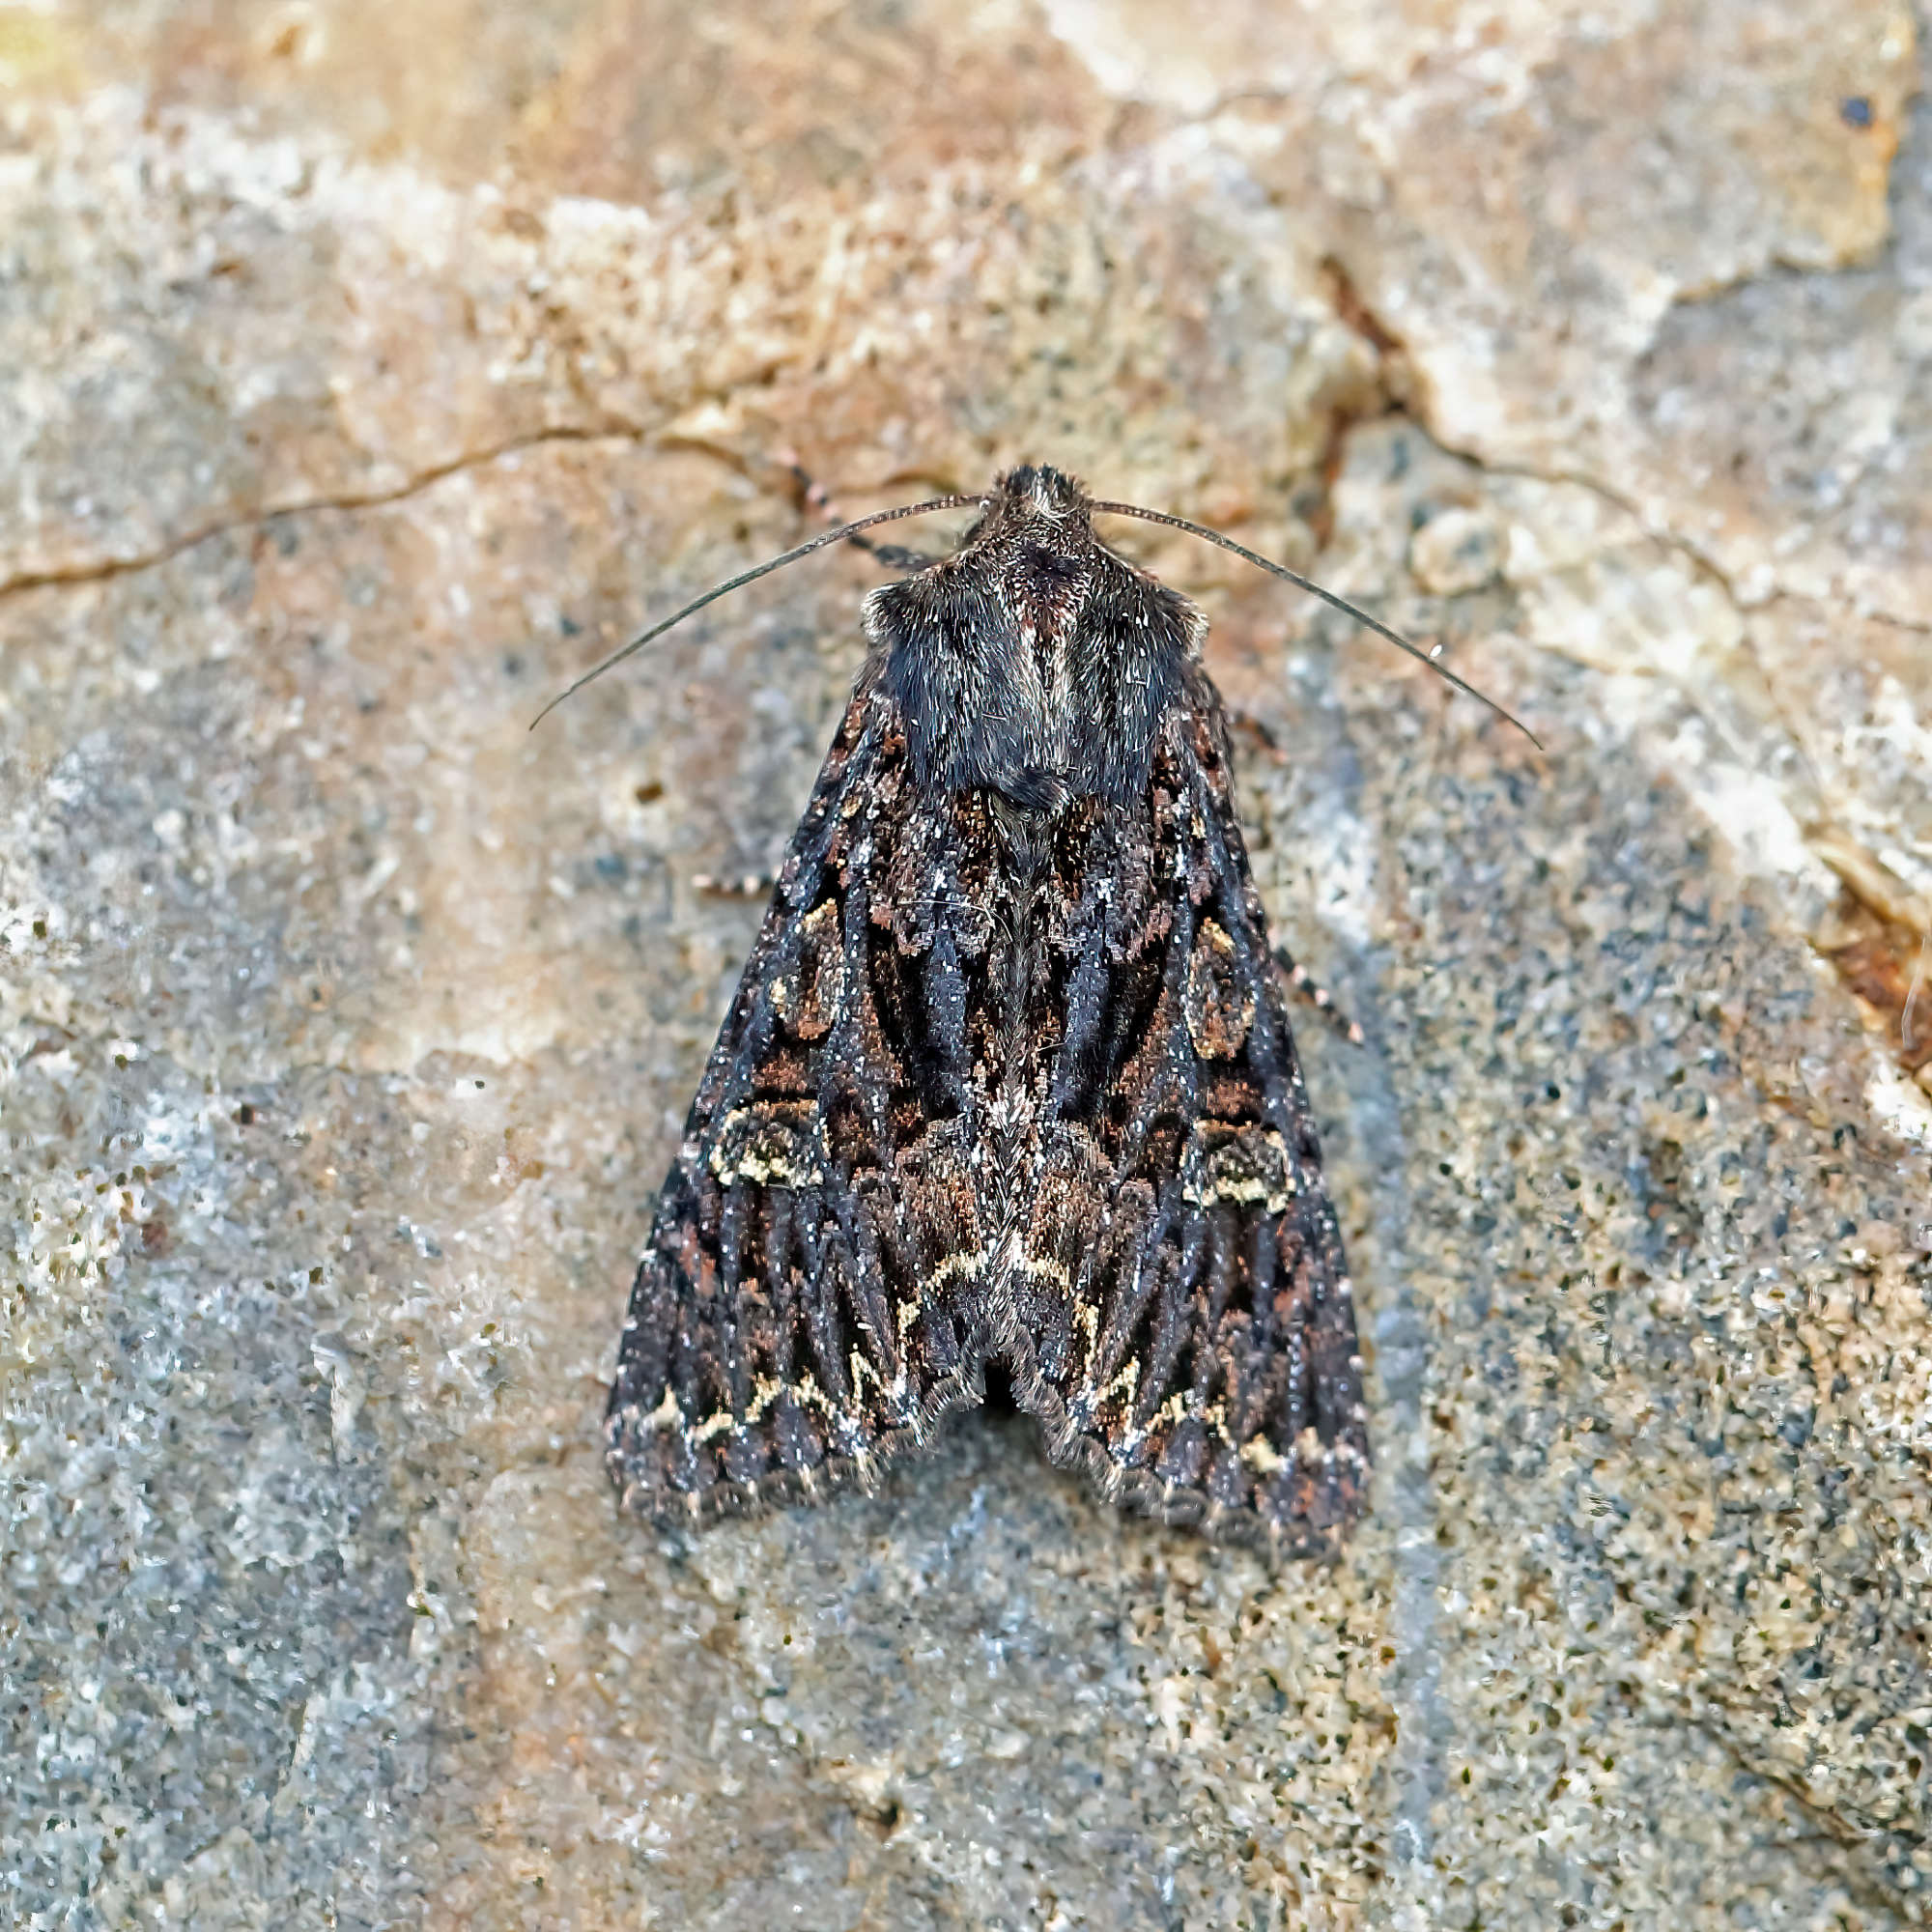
column 1008, row 1079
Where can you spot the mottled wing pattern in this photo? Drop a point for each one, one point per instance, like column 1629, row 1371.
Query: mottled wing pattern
column 810, row 1297
column 1008, row 1079
column 1178, row 1308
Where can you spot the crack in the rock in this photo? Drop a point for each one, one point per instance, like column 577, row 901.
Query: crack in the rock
column 1916, row 627
column 106, row 569
column 1673, row 538
column 1843, row 1835
column 1822, row 835
column 1357, row 313
column 1854, row 867
column 1391, row 391
column 1659, row 533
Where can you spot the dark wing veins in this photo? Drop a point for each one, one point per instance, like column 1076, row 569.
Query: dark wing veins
column 1172, row 1292
column 809, row 1299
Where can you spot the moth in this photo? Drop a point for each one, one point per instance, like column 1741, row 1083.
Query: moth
column 1007, row 1080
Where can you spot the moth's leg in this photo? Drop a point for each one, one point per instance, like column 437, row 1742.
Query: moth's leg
column 894, row 557
column 743, row 885
column 1260, row 730
column 1318, row 996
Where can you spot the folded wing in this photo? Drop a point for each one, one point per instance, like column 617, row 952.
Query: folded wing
column 1178, row 1308
column 810, row 1297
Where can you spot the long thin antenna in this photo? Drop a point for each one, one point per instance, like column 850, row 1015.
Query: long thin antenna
column 1327, row 597
column 712, row 595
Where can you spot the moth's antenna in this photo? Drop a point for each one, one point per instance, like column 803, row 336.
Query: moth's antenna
column 743, row 577
column 1327, row 597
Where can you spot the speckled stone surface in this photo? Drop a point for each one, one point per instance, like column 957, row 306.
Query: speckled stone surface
column 366, row 372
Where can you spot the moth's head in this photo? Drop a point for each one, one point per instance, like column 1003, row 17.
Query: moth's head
column 1039, row 490
column 1035, row 516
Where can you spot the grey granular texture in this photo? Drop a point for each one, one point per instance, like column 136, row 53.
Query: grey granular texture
column 366, row 373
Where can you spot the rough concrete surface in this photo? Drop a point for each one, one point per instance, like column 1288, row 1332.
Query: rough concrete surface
column 366, row 372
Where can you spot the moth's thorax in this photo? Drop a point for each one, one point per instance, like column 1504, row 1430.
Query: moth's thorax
column 1034, row 661
column 1035, row 549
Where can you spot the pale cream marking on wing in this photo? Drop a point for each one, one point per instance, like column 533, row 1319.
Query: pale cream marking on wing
column 806, row 1387
column 861, row 1368
column 1125, row 1385
column 963, row 1262
column 895, row 1390
column 760, row 1170
column 765, row 1392
column 1047, row 1267
column 1246, row 1189
column 907, row 1313
column 1086, row 1318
